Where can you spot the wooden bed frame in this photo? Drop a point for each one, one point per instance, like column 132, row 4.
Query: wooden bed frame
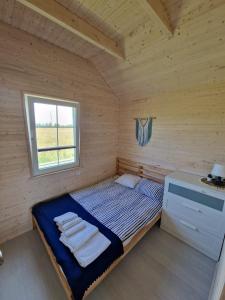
column 123, row 166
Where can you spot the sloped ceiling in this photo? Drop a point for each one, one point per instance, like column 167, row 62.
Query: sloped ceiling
column 156, row 61
column 115, row 18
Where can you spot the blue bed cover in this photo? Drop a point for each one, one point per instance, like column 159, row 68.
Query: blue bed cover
column 79, row 278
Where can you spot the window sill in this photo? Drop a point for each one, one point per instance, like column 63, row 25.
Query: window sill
column 75, row 169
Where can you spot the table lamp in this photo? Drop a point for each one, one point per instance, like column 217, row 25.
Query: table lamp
column 218, row 172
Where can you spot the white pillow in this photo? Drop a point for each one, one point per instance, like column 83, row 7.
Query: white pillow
column 128, row 180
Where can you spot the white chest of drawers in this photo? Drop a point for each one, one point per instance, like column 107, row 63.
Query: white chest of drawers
column 194, row 212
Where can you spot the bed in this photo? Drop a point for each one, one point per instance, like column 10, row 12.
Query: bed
column 126, row 223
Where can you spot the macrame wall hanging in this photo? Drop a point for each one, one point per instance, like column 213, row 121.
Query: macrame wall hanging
column 143, row 130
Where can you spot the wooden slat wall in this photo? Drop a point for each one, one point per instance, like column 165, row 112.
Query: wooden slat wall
column 188, row 134
column 27, row 63
column 180, row 79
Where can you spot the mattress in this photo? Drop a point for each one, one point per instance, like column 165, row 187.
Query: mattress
column 117, row 211
column 122, row 210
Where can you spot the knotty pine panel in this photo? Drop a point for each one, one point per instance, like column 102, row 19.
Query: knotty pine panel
column 188, row 134
column 29, row 64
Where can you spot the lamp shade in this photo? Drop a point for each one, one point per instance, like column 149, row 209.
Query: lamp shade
column 218, row 170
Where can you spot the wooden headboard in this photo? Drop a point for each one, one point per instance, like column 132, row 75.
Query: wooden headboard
column 143, row 170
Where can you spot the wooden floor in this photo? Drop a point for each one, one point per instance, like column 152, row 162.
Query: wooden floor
column 159, row 268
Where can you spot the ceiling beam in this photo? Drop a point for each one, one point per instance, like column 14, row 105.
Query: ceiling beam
column 157, row 11
column 69, row 21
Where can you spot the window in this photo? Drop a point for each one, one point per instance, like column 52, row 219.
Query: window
column 53, row 129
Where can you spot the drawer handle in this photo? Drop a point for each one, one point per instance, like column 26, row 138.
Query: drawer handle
column 188, row 225
column 192, row 207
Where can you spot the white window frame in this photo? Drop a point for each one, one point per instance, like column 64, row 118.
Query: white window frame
column 30, row 99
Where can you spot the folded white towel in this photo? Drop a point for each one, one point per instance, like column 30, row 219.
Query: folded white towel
column 94, row 247
column 69, row 224
column 76, row 241
column 74, row 229
column 62, row 219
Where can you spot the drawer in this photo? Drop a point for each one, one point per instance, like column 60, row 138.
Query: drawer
column 197, row 196
column 209, row 219
column 192, row 235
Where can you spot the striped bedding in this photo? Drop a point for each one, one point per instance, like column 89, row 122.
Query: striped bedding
column 123, row 210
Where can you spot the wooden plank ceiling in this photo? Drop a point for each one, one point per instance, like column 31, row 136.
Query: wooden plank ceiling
column 72, row 22
column 156, row 61
column 109, row 17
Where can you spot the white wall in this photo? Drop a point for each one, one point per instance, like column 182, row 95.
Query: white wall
column 219, row 279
